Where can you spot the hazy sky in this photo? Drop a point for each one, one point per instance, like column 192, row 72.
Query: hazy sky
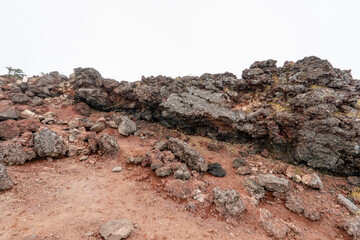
column 124, row 40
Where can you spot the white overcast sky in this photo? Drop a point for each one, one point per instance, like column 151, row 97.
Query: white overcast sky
column 124, row 40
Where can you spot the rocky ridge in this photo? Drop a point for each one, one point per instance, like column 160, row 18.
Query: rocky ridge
column 304, row 113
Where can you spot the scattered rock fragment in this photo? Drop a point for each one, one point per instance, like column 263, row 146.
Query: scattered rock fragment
column 255, row 190
column 126, row 126
column 134, row 160
column 273, row 226
column 164, row 171
column 186, row 153
column 313, row 181
column 5, row 181
column 354, row 180
column 273, row 183
column 108, row 145
column 239, row 162
column 312, row 214
column 117, row 169
column 7, row 111
column 98, row 127
column 294, row 203
column 116, row 229
column 156, row 164
column 243, row 170
column 351, row 207
column 352, row 226
column 228, row 202
column 14, row 153
column 182, row 173
column 216, row 170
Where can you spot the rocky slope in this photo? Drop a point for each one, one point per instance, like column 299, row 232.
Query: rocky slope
column 197, row 140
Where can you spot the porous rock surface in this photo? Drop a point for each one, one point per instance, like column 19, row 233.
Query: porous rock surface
column 303, row 112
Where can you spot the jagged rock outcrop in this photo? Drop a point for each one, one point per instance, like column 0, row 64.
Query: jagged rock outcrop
column 303, row 112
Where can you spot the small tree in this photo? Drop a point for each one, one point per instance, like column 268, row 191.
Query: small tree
column 15, row 72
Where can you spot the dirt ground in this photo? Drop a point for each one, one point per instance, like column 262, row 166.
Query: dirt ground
column 69, row 199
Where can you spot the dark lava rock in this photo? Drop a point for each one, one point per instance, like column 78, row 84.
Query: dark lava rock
column 216, row 170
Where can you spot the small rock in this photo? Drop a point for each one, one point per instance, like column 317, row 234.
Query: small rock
column 243, row 170
column 112, row 124
column 161, row 145
column 28, row 113
column 354, row 180
column 216, row 170
column 108, row 145
column 5, row 181
column 351, row 207
column 83, row 158
column 190, row 206
column 313, row 181
column 182, row 173
column 155, row 164
column 273, row 183
column 134, row 160
column 48, row 121
column 264, row 153
column 126, row 126
column 352, row 227
column 186, row 153
column 273, row 226
column 228, row 202
column 312, row 214
column 116, row 229
column 163, row 171
column 98, row 127
column 294, row 203
column 117, row 169
column 238, row 162
column 257, row 191
column 199, row 196
column 37, row 101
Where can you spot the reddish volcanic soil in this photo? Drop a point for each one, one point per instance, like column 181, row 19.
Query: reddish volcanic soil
column 70, row 199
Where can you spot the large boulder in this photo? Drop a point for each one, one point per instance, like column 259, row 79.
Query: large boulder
column 48, row 143
column 5, row 181
column 228, row 202
column 187, row 154
column 14, row 153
